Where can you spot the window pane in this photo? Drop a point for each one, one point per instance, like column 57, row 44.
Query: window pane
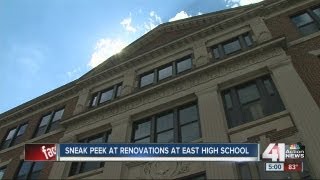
column 248, row 94
column 165, row 137
column 22, row 129
column 165, row 122
column 2, row 171
column 37, row 166
column 232, row 47
column 94, row 100
column 200, row 177
column 216, row 53
column 41, row 130
column 144, row 140
column 53, row 126
column 106, row 96
column 11, row 134
column 88, row 166
column 58, row 115
column 269, row 87
column 302, row 19
column 190, row 132
column 253, row 111
column 228, row 101
column 142, row 130
column 35, row 175
column 36, row 170
column 188, row 114
column 119, row 89
column 45, row 120
column 317, row 12
column 74, row 168
column 5, row 144
column 184, row 65
column 248, row 40
column 146, row 79
column 244, row 171
column 97, row 139
column 308, row 29
column 24, row 170
column 196, row 177
column 165, row 73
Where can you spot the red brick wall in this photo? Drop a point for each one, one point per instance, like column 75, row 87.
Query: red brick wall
column 33, row 121
column 307, row 65
column 281, row 25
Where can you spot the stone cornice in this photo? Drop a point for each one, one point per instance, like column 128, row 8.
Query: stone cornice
column 124, row 64
column 40, row 102
column 196, row 77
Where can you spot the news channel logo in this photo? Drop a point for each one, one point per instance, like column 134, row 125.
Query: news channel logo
column 280, row 152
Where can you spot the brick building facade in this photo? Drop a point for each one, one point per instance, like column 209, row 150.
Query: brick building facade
column 247, row 74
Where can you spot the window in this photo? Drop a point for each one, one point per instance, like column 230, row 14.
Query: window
column 49, row 122
column 81, row 167
column 232, row 46
column 177, row 125
column 198, row 176
column 184, row 65
column 14, row 136
column 244, row 171
column 106, row 95
column 29, row 170
column 147, row 79
column 307, row 22
column 251, row 101
column 166, row 71
column 2, row 171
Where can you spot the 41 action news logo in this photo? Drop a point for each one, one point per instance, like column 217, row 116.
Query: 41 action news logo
column 281, row 152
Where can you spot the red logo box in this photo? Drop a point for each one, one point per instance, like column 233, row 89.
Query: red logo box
column 40, row 152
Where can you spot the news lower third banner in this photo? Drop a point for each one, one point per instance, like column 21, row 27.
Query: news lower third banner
column 143, row 152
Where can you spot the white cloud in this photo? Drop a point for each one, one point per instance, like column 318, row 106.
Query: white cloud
column 236, row 3
column 156, row 17
column 180, row 15
column 200, row 13
column 104, row 49
column 153, row 21
column 75, row 73
column 126, row 23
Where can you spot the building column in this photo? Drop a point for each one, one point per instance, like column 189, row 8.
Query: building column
column 214, row 130
column 303, row 109
column 59, row 170
column 119, row 134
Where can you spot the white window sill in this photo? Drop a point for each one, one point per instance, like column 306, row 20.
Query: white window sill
column 304, row 38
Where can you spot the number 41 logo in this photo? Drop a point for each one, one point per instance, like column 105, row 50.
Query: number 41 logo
column 275, row 152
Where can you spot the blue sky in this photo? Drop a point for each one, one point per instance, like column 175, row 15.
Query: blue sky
column 46, row 44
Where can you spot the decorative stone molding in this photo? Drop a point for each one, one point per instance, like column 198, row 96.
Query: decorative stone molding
column 194, row 78
column 163, row 170
column 120, row 62
column 201, row 60
column 315, row 52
